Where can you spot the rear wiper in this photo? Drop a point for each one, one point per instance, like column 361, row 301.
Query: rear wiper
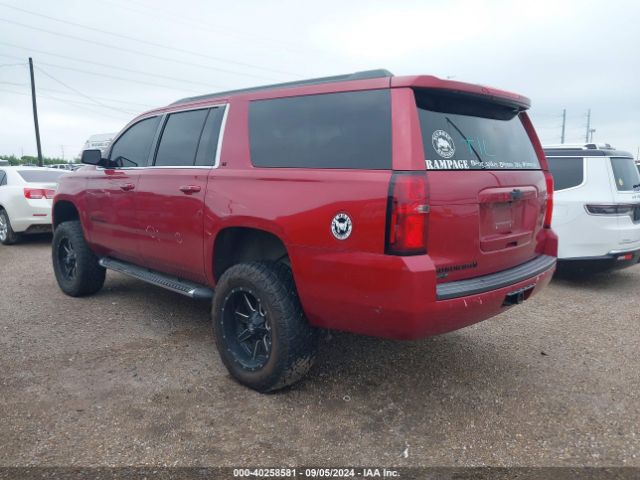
column 465, row 139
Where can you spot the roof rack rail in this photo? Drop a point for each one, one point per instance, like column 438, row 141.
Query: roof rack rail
column 579, row 146
column 364, row 75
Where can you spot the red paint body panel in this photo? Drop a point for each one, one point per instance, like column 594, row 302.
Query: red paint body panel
column 348, row 285
column 171, row 222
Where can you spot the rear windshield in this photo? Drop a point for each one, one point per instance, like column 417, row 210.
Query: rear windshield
column 461, row 133
column 567, row 172
column 625, row 174
column 40, row 176
column 335, row 130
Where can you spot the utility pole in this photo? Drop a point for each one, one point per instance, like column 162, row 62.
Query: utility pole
column 62, row 150
column 564, row 123
column 35, row 111
column 586, row 138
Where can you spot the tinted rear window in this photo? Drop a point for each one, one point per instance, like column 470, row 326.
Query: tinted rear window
column 40, row 176
column 462, row 133
column 567, row 172
column 180, row 138
column 337, row 130
column 625, row 173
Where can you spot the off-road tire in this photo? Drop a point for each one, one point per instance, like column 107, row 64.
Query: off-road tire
column 89, row 275
column 11, row 236
column 293, row 340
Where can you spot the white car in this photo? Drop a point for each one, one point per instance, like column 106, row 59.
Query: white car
column 596, row 206
column 26, row 195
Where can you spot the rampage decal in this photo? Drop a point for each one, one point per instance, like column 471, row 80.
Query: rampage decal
column 443, row 144
column 477, row 153
column 478, row 165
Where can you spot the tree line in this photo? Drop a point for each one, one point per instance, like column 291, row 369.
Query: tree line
column 31, row 160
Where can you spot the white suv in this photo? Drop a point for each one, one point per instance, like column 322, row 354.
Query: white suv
column 596, row 211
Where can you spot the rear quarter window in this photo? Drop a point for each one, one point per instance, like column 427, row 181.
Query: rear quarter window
column 625, row 174
column 336, row 130
column 462, row 133
column 567, row 172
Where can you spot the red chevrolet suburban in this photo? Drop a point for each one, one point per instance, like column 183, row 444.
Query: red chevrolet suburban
column 400, row 207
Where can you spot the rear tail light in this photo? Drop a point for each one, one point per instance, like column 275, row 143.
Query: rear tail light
column 407, row 214
column 38, row 193
column 537, row 146
column 549, row 203
column 621, row 209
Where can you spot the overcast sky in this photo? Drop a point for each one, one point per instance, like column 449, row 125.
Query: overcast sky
column 100, row 63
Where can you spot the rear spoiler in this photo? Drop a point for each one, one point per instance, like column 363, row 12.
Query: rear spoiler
column 480, row 92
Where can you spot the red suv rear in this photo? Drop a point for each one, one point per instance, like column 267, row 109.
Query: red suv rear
column 400, row 207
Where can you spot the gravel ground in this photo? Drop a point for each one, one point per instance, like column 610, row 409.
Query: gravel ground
column 131, row 376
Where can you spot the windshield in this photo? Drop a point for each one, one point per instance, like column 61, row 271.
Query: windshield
column 625, row 173
column 40, row 176
column 467, row 134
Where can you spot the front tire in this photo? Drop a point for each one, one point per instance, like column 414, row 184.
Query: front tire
column 76, row 267
column 7, row 235
column 261, row 332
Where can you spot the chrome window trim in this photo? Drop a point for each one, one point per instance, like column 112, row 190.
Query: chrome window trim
column 223, row 125
column 159, row 135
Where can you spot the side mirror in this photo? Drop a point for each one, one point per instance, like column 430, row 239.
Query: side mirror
column 92, row 157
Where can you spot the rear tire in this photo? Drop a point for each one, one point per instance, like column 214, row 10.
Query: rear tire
column 76, row 267
column 261, row 332
column 7, row 235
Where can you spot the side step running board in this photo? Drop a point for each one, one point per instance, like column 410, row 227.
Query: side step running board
column 184, row 287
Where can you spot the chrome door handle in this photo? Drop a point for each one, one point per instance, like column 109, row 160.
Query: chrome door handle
column 127, row 187
column 189, row 189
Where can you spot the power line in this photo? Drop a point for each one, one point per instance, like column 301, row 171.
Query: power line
column 12, row 64
column 171, row 17
column 104, row 75
column 140, row 40
column 83, row 105
column 106, row 65
column 53, row 90
column 64, row 100
column 97, row 102
column 129, row 50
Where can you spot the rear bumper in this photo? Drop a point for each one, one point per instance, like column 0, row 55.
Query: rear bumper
column 397, row 297
column 30, row 216
column 486, row 283
column 614, row 260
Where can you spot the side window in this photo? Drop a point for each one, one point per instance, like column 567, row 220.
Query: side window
column 133, row 147
column 567, row 172
column 3, row 178
column 180, row 138
column 209, row 139
column 336, row 130
column 625, row 173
